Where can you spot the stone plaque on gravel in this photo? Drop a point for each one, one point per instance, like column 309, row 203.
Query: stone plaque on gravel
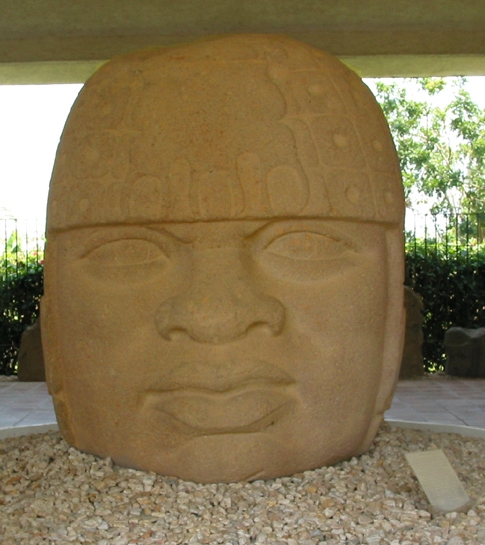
column 438, row 480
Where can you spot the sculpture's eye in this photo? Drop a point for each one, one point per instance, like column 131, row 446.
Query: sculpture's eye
column 307, row 246
column 126, row 260
column 305, row 250
column 126, row 252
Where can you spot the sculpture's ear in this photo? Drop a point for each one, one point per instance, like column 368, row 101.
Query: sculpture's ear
column 52, row 356
column 394, row 331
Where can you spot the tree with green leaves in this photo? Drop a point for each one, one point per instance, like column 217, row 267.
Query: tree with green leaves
column 441, row 147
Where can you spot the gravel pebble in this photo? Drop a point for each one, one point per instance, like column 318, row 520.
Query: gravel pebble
column 52, row 493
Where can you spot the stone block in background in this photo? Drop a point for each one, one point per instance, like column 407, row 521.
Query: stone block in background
column 31, row 358
column 465, row 352
column 412, row 358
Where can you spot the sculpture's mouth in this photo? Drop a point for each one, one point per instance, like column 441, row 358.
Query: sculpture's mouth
column 221, row 376
column 234, row 397
column 247, row 409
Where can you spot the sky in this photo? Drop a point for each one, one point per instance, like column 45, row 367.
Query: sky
column 31, row 121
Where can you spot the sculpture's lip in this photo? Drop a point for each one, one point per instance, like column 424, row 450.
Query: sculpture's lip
column 248, row 408
column 222, row 377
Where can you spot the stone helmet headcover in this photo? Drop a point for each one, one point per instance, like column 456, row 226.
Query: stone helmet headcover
column 158, row 136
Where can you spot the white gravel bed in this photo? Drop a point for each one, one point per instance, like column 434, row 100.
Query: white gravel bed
column 52, row 493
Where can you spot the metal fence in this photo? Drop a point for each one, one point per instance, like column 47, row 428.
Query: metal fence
column 457, row 239
column 453, row 233
column 21, row 246
column 445, row 264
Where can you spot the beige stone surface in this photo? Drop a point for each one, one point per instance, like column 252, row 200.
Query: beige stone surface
column 465, row 352
column 31, row 358
column 224, row 266
column 412, row 358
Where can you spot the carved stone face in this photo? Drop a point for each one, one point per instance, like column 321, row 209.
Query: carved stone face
column 224, row 263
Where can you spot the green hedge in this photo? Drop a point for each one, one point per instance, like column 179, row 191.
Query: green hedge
column 20, row 292
column 451, row 280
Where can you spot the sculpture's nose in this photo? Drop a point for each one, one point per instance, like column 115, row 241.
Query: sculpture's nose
column 220, row 305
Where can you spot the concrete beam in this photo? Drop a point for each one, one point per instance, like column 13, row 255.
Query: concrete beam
column 54, row 41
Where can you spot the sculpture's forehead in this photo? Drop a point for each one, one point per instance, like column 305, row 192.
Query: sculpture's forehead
column 224, row 130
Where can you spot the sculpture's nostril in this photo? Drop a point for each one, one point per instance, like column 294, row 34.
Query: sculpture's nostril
column 220, row 319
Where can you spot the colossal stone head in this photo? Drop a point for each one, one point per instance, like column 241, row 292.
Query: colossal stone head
column 224, row 265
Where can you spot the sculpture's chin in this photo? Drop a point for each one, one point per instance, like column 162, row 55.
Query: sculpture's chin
column 220, row 458
column 234, row 457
